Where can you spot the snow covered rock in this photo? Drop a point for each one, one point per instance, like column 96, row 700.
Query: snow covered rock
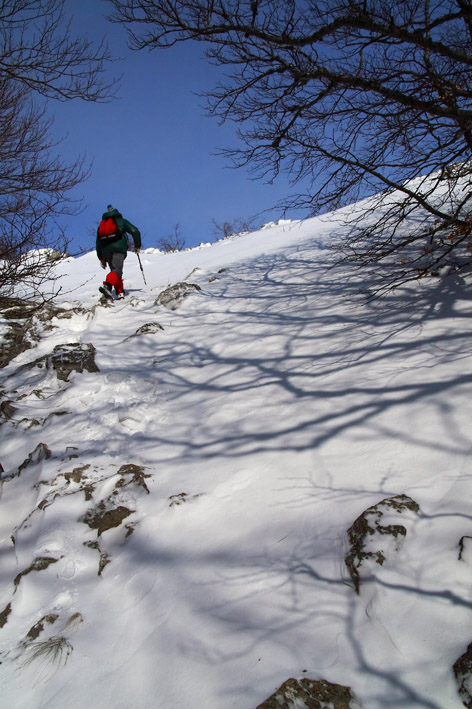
column 463, row 674
column 173, row 296
column 113, row 510
column 17, row 334
column 463, row 666
column 23, row 324
column 373, row 533
column 7, row 410
column 150, row 328
column 68, row 358
column 311, row 694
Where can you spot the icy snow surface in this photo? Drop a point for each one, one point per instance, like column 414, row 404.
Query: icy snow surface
column 271, row 410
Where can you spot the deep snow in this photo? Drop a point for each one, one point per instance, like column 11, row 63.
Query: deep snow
column 274, row 407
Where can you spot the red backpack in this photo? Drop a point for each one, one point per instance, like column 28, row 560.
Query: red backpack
column 107, row 228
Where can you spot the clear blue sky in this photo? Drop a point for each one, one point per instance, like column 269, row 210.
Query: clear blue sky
column 153, row 149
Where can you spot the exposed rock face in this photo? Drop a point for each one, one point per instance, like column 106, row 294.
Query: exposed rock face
column 463, row 673
column 39, row 564
column 110, row 513
column 368, row 536
column 4, row 615
column 137, row 476
column 36, row 630
column 311, row 694
column 465, row 549
column 102, row 519
column 40, row 453
column 173, row 296
column 67, row 358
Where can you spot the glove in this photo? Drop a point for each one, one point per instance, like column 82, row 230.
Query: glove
column 103, row 263
column 138, row 250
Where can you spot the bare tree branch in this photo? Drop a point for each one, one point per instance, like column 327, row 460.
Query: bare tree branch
column 172, row 242
column 37, row 50
column 350, row 98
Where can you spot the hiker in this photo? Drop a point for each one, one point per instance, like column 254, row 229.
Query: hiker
column 112, row 248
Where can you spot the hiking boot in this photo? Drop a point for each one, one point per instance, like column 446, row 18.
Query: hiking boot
column 106, row 290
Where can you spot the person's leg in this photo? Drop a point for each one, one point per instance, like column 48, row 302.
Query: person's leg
column 114, row 278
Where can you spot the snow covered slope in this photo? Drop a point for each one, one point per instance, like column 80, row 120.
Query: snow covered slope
column 174, row 526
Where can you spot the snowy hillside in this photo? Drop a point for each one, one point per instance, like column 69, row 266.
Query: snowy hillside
column 181, row 522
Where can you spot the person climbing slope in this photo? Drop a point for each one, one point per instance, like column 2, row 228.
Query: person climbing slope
column 112, row 249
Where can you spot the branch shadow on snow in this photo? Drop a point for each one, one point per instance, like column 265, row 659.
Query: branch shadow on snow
column 343, row 364
column 294, row 359
column 294, row 365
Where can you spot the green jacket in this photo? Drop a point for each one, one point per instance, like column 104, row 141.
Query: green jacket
column 109, row 245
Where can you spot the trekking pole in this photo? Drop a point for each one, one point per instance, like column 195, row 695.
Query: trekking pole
column 141, row 267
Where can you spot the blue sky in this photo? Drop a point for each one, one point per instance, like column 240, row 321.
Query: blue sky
column 153, row 149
